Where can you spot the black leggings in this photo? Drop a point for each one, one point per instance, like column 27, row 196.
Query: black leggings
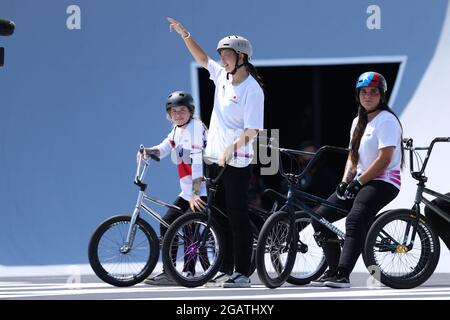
column 372, row 197
column 170, row 216
column 232, row 196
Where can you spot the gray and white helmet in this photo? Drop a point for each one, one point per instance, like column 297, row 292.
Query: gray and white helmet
column 237, row 43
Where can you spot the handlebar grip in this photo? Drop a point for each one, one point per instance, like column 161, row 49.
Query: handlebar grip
column 442, row 139
column 154, row 157
column 408, row 142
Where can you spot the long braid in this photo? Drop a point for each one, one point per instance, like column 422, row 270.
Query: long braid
column 357, row 135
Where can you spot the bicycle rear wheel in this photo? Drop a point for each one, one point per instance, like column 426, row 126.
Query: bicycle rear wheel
column 310, row 260
column 386, row 247
column 114, row 262
column 275, row 253
column 185, row 259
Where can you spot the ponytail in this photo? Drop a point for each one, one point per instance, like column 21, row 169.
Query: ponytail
column 252, row 70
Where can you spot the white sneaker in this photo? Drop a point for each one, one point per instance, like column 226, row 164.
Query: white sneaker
column 218, row 280
column 188, row 274
column 237, row 280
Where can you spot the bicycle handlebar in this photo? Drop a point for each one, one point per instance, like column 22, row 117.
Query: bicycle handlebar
column 409, row 145
column 442, row 139
column 153, row 156
column 139, row 176
column 311, row 163
column 213, row 160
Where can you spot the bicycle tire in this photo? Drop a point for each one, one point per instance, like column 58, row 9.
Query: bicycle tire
column 272, row 240
column 208, row 263
column 106, row 269
column 310, row 262
column 378, row 245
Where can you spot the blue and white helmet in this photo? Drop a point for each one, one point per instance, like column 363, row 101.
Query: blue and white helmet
column 371, row 79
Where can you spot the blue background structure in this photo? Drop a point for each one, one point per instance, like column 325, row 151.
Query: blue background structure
column 76, row 104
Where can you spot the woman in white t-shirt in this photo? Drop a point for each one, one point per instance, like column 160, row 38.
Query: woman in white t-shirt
column 186, row 141
column 236, row 118
column 371, row 178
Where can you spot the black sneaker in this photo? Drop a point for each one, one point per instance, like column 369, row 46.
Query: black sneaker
column 320, row 282
column 338, row 282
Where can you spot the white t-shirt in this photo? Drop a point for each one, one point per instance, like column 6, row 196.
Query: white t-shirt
column 187, row 145
column 382, row 131
column 235, row 108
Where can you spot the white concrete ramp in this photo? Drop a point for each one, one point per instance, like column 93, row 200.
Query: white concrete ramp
column 428, row 116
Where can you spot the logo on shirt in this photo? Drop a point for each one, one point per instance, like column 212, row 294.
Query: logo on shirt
column 233, row 99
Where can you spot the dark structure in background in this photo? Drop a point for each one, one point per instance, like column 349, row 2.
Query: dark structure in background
column 306, row 103
column 7, row 28
column 2, row 56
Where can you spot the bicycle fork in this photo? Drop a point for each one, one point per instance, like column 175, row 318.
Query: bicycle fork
column 211, row 196
column 415, row 223
column 292, row 223
column 125, row 248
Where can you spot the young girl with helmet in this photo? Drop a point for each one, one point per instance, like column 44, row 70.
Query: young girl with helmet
column 186, row 141
column 371, row 179
column 236, row 118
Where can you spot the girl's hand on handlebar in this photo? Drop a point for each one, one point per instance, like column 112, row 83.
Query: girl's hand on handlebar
column 196, row 203
column 340, row 190
column 147, row 152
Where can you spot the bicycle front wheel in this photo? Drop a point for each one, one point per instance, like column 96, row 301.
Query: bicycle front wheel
column 276, row 251
column 401, row 263
column 118, row 263
column 310, row 260
column 187, row 259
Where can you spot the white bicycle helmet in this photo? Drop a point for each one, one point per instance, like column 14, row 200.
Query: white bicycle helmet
column 237, row 43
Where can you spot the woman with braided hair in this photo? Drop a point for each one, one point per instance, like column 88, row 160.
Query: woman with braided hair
column 371, row 179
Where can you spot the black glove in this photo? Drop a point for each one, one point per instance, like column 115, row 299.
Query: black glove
column 340, row 190
column 353, row 189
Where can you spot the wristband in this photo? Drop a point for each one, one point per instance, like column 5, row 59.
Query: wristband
column 357, row 179
column 187, row 37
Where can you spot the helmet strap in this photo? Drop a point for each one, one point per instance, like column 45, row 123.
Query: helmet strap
column 235, row 69
column 237, row 66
